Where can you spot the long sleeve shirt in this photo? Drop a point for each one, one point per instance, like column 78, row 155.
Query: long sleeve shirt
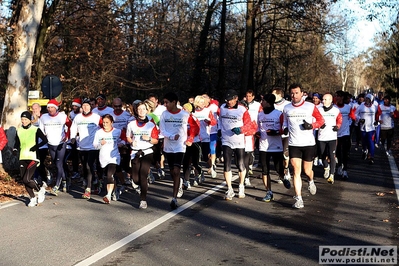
column 172, row 124
column 294, row 115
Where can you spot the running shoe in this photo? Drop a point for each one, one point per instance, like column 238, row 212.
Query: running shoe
column 344, row 175
column 107, row 199
column 213, row 171
column 150, row 178
column 278, row 180
column 180, row 192
column 54, row 191
column 331, row 179
column 287, row 183
column 196, row 181
column 161, row 173
column 327, row 172
column 64, row 186
column 202, row 177
column 315, row 161
column 143, row 204
column 86, row 195
column 229, row 194
column 173, row 204
column 241, row 191
column 113, row 196
column 298, row 203
column 364, row 155
column 339, row 170
column 312, row 188
column 268, row 197
column 371, row 161
column 247, row 182
column 186, row 184
column 32, row 202
column 388, row 153
column 287, row 174
column 41, row 195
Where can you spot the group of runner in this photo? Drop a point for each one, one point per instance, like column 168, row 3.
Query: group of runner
column 121, row 144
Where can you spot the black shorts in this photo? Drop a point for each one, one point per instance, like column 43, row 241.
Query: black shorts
column 306, row 153
column 174, row 159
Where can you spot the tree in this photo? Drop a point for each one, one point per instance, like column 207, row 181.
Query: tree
column 25, row 23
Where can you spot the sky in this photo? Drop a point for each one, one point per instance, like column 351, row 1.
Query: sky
column 362, row 31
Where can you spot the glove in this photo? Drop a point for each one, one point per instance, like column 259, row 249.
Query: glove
column 323, row 126
column 236, row 130
column 73, row 141
column 306, row 125
column 375, row 123
column 34, row 148
column 285, row 131
column 361, row 121
column 273, row 132
column 219, row 133
column 335, row 128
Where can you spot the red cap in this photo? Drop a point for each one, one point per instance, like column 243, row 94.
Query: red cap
column 54, row 103
column 77, row 102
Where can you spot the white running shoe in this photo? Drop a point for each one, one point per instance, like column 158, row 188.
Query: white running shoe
column 298, row 203
column 180, row 192
column 33, row 202
column 241, row 191
column 247, row 182
column 143, row 204
column 312, row 188
column 229, row 194
column 213, row 171
column 287, row 174
column 327, row 172
column 41, row 195
column 316, row 161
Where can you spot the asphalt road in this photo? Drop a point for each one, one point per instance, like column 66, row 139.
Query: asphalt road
column 205, row 229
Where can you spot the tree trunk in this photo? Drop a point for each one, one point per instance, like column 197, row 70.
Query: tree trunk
column 247, row 70
column 38, row 68
column 25, row 37
column 201, row 57
column 222, row 75
column 26, row 27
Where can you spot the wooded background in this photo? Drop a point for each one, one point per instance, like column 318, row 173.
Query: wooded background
column 130, row 48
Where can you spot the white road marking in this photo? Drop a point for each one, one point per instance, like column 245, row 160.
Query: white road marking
column 124, row 241
column 395, row 174
column 8, row 205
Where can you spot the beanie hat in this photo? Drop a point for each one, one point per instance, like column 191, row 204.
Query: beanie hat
column 317, row 95
column 188, row 107
column 86, row 100
column 370, row 96
column 270, row 98
column 77, row 102
column 26, row 114
column 53, row 103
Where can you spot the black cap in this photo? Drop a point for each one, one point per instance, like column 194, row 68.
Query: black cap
column 26, row 114
column 230, row 95
column 102, row 96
